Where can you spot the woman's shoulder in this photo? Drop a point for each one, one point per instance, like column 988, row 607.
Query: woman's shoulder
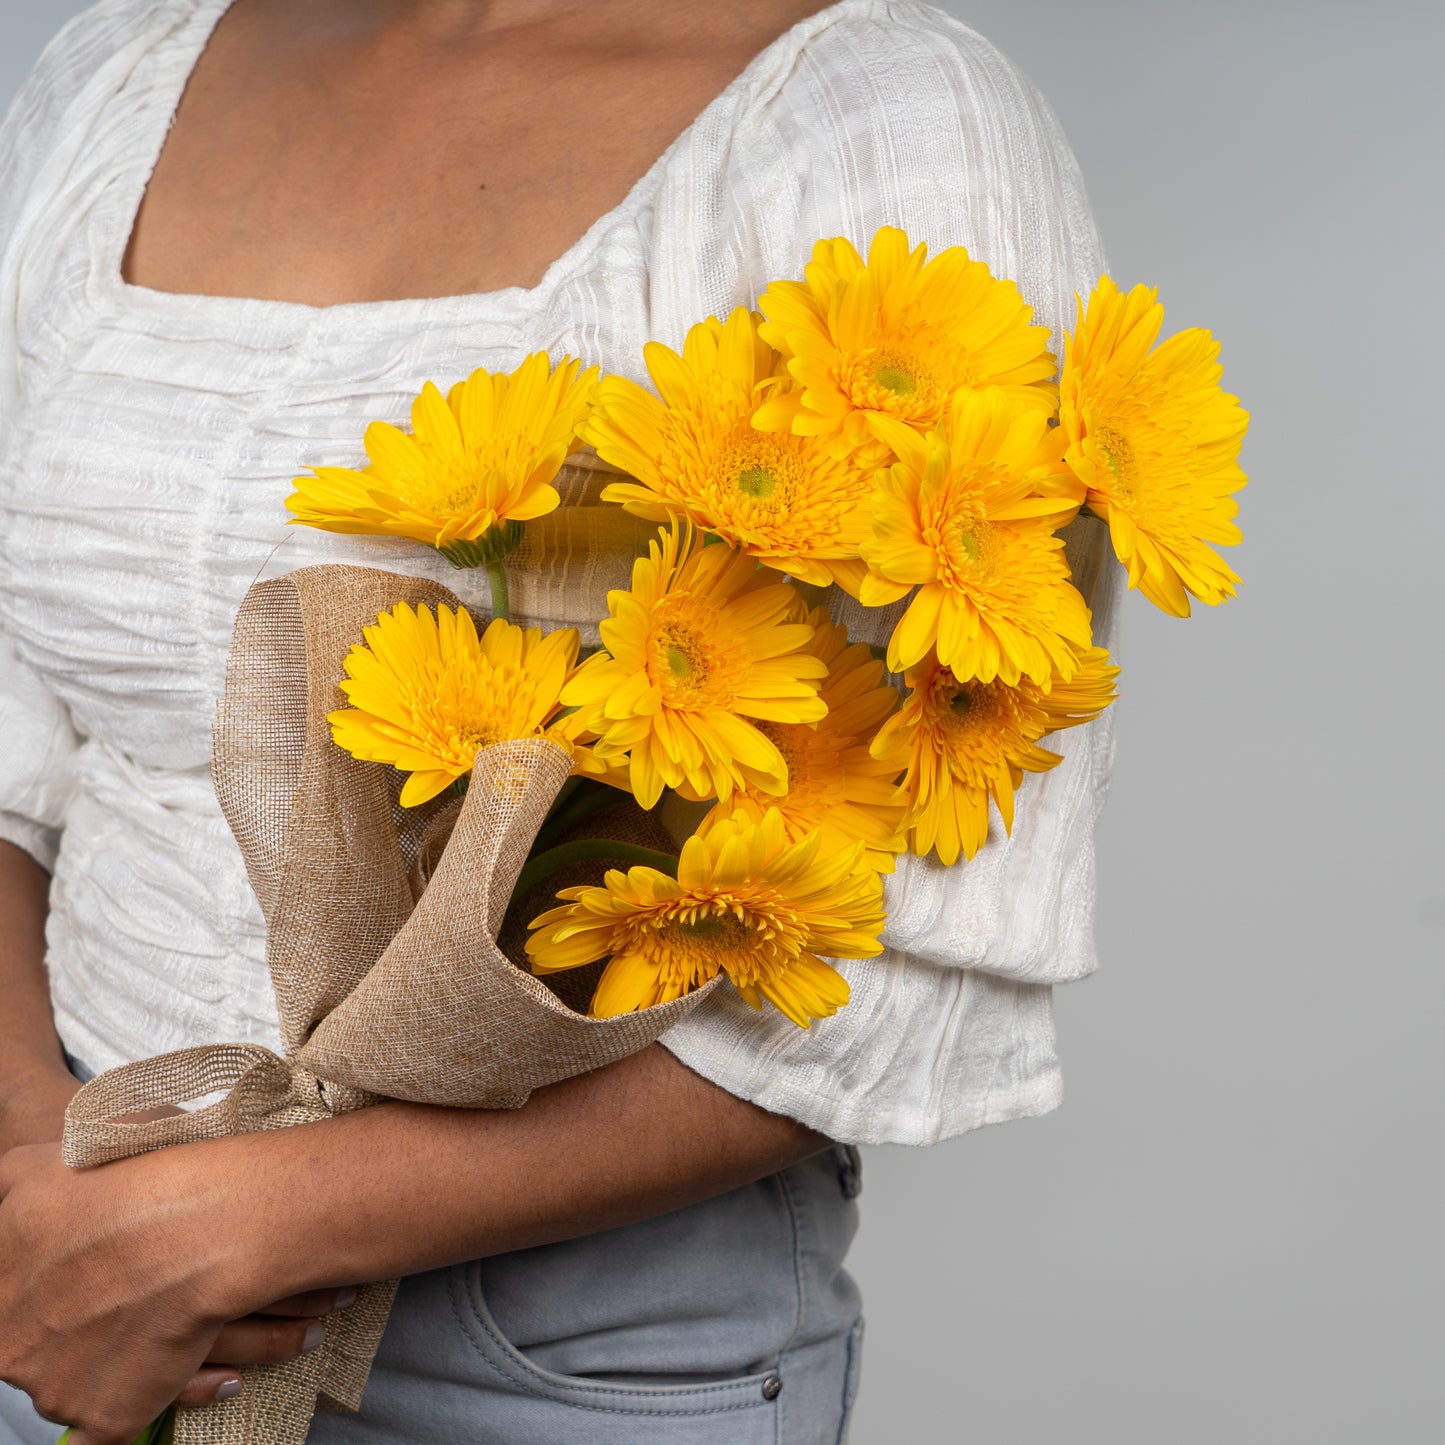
column 60, row 110
column 900, row 100
column 895, row 29
column 873, row 92
column 81, row 52
column 876, row 55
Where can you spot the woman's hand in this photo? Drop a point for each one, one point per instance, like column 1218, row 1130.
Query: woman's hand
column 113, row 1289
column 280, row 1331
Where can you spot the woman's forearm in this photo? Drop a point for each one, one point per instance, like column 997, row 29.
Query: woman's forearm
column 137, row 1266
column 34, row 1081
column 400, row 1188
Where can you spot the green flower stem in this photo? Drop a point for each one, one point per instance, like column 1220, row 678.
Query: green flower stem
column 579, row 806
column 501, row 603
column 585, row 849
column 561, row 802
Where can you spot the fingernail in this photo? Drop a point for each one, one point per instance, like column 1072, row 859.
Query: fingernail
column 229, row 1390
column 315, row 1333
column 344, row 1297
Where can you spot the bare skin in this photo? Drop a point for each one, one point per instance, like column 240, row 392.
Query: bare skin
column 363, row 150
column 358, row 150
column 35, row 1085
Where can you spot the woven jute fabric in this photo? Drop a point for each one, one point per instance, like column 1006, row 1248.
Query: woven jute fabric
column 382, row 944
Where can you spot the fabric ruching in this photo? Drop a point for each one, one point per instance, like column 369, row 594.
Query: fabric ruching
column 182, row 953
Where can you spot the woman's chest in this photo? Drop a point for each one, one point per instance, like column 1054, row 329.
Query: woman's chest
column 333, row 152
column 143, row 486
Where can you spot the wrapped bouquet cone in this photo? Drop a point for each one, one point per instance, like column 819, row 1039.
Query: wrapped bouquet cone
column 382, row 928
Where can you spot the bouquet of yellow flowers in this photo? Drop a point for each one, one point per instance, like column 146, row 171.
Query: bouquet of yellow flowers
column 489, row 860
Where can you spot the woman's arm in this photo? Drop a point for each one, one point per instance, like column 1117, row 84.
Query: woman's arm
column 35, row 1084
column 115, row 1282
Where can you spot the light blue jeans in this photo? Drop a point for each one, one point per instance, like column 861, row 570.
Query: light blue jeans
column 731, row 1322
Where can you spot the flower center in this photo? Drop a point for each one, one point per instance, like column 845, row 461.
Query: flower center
column 684, row 655
column 695, row 658
column 1120, row 458
column 712, row 932
column 967, row 709
column 471, row 705
column 893, row 379
column 755, row 477
column 769, row 491
column 781, row 737
column 971, row 722
column 896, row 380
column 449, row 488
column 750, row 938
column 682, row 661
column 756, row 482
column 691, row 941
column 473, row 739
column 967, row 543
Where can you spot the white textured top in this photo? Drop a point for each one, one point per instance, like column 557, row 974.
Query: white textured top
column 147, row 441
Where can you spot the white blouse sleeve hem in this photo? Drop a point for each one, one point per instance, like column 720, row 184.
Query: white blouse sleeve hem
column 920, row 1054
column 40, row 842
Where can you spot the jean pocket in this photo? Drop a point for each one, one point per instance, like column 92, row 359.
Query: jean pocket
column 637, row 1394
column 689, row 1310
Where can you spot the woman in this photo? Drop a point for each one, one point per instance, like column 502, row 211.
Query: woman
column 355, row 196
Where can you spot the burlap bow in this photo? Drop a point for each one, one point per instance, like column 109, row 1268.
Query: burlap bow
column 382, row 927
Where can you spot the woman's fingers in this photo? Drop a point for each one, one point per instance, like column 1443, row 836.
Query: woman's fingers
column 259, row 1340
column 288, row 1329
column 210, row 1384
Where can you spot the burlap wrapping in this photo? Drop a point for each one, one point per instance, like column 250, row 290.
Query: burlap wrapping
column 381, row 942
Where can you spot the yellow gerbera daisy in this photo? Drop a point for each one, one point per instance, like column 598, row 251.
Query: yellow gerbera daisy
column 427, row 694
column 746, row 902
column 701, row 643
column 1155, row 439
column 963, row 742
column 834, row 782
column 476, row 465
column 782, row 499
column 968, row 516
column 897, row 336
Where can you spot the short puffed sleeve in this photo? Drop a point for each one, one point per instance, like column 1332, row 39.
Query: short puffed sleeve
column 893, row 113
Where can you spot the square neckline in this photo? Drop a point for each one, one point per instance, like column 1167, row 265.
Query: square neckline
column 190, row 41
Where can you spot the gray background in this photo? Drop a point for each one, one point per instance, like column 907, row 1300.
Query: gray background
column 1230, row 1233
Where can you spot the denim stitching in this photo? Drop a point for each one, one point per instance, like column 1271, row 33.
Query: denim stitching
column 799, row 1226
column 785, row 1185
column 850, row 1380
